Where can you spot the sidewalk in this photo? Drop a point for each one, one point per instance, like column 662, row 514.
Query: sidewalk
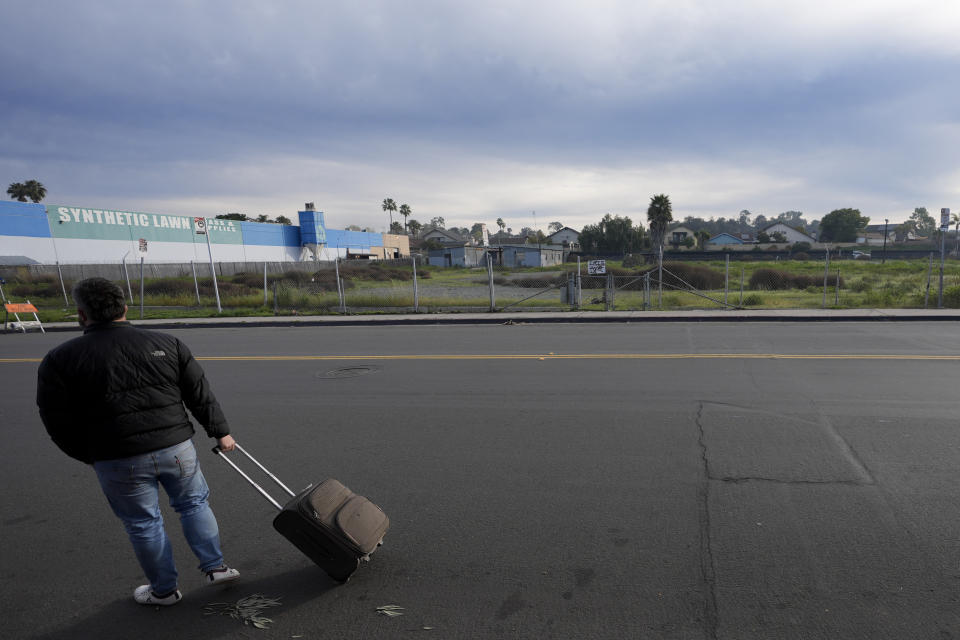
column 760, row 315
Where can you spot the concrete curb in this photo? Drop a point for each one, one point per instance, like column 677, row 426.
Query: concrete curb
column 592, row 317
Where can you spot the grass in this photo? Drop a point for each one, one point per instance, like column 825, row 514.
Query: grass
column 864, row 284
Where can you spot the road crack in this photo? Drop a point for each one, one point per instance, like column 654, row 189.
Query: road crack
column 707, row 570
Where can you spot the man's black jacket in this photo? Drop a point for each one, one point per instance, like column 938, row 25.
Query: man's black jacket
column 119, row 391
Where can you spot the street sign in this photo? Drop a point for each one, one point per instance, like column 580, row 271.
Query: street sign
column 596, row 267
column 143, row 245
column 201, row 225
column 944, row 219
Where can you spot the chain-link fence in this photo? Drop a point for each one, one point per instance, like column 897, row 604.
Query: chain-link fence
column 408, row 286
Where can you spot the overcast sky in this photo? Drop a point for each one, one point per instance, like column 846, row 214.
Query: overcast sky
column 474, row 111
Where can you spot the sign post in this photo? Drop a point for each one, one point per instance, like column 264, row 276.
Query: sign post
column 201, row 226
column 944, row 225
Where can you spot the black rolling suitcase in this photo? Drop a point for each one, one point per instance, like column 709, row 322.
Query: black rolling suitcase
column 328, row 523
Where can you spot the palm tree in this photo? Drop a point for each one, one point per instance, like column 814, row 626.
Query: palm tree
column 659, row 214
column 702, row 236
column 31, row 189
column 35, row 190
column 954, row 218
column 389, row 206
column 405, row 211
column 18, row 191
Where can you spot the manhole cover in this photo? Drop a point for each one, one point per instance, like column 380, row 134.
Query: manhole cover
column 347, row 372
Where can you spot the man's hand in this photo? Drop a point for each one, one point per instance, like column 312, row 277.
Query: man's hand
column 226, row 443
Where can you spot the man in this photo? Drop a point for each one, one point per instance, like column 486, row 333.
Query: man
column 114, row 398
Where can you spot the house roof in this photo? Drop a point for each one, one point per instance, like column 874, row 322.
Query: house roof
column 562, row 230
column 770, row 226
column 443, row 235
column 730, row 235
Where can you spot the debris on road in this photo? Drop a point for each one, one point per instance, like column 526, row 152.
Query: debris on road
column 248, row 610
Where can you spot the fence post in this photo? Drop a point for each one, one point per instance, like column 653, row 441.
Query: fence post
column 493, row 297
column 264, row 284
column 741, row 285
column 943, row 240
column 336, row 267
column 141, row 287
column 416, row 291
column 660, row 279
column 646, row 291
column 62, row 286
column 196, row 283
column 608, row 294
column 926, row 297
column 579, row 286
column 836, row 301
column 826, row 273
column 275, row 303
column 726, row 276
column 126, row 274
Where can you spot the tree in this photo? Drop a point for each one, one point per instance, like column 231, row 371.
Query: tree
column 555, row 226
column 956, row 220
column 842, row 225
column 21, row 191
column 922, row 222
column 612, row 235
column 689, row 242
column 414, row 227
column 284, row 220
column 703, row 236
column 353, row 227
column 438, row 222
column 659, row 215
column 233, row 216
column 405, row 211
column 389, row 206
column 501, row 224
column 762, row 237
column 17, row 191
column 396, row 228
column 35, row 190
column 262, row 218
column 778, row 236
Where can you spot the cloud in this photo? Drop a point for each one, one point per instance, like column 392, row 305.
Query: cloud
column 499, row 107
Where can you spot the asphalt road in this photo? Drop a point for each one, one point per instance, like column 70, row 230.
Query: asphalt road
column 733, row 481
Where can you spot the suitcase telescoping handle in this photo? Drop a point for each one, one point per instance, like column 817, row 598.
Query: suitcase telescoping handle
column 217, row 450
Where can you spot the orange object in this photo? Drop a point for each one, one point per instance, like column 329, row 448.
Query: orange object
column 20, row 307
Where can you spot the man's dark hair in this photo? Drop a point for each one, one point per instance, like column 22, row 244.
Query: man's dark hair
column 100, row 299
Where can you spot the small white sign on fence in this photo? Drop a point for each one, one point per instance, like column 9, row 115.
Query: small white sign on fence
column 596, row 267
column 944, row 219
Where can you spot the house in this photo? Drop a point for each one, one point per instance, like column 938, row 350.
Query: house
column 790, row 234
column 461, row 255
column 530, row 255
column 442, row 236
column 676, row 236
column 873, row 234
column 518, row 255
column 567, row 238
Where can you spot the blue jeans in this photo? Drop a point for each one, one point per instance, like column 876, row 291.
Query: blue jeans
column 132, row 488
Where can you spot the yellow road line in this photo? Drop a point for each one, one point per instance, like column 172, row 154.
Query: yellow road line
column 566, row 356
column 595, row 356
